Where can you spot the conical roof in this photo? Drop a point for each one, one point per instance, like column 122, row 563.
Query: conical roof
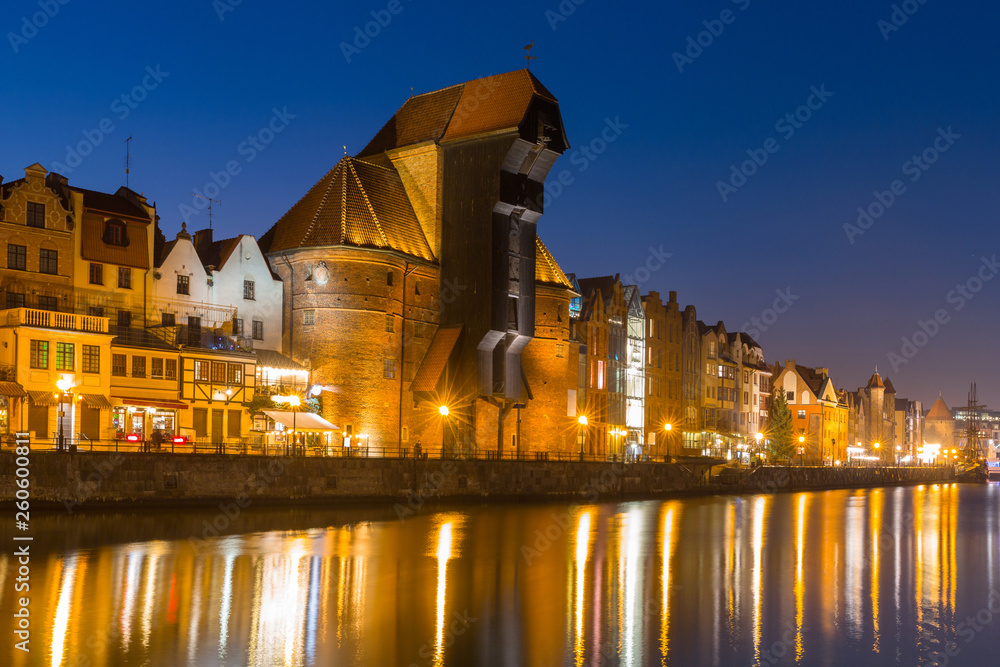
column 939, row 411
column 357, row 203
column 876, row 382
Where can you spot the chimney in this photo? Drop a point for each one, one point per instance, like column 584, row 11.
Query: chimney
column 673, row 296
column 824, row 372
column 202, row 239
column 789, row 363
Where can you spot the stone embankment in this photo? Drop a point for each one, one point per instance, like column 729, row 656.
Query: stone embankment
column 95, row 479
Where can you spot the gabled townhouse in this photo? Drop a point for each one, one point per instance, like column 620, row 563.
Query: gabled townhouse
column 819, row 417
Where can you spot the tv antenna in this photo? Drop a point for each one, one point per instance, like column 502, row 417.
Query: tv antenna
column 127, row 158
column 210, row 202
column 527, row 55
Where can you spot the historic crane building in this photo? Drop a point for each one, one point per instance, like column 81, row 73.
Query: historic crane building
column 410, row 275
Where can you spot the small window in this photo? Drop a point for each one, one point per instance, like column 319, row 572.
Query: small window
column 560, row 350
column 218, row 372
column 168, row 319
column 170, row 369
column 48, row 303
column 39, row 354
column 48, row 261
column 36, row 215
column 156, row 368
column 91, row 359
column 235, row 374
column 248, row 290
column 308, row 317
column 96, row 274
column 389, row 278
column 95, row 311
column 258, row 330
column 125, row 318
column 118, row 365
column 390, row 322
column 138, row 367
column 124, row 277
column 184, row 284
column 201, row 369
column 802, row 414
column 64, row 356
column 389, row 368
column 17, row 257
column 237, row 326
column 115, row 233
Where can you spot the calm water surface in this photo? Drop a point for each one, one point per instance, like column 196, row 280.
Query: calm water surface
column 899, row 576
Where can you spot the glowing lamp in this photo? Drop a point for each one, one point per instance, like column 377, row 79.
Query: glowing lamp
column 179, row 440
column 582, row 420
column 443, row 410
column 132, row 437
column 668, row 427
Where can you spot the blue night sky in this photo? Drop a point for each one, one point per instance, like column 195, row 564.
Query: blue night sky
column 657, row 184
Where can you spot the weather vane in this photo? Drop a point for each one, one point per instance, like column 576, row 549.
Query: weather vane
column 527, row 56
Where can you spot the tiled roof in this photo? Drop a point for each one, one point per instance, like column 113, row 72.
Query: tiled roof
column 480, row 106
column 939, row 411
column 357, row 204
column 217, row 253
column 876, row 382
column 889, row 388
column 436, row 359
column 135, row 254
column 811, row 378
column 272, row 359
column 546, row 269
column 113, row 204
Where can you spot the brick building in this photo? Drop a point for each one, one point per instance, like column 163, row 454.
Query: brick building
column 410, row 275
column 663, row 373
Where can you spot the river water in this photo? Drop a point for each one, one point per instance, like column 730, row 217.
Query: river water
column 895, row 576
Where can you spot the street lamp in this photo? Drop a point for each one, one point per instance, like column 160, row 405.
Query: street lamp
column 294, row 401
column 444, row 410
column 64, row 384
column 581, row 432
column 668, row 428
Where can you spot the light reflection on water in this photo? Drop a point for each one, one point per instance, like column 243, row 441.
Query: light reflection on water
column 886, row 576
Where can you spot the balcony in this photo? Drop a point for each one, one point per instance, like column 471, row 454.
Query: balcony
column 47, row 319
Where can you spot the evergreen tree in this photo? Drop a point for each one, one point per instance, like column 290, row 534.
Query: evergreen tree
column 781, row 445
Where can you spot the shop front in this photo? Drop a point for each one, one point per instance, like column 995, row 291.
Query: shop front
column 156, row 422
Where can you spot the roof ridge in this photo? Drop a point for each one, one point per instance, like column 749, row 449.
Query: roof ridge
column 368, row 204
column 326, row 194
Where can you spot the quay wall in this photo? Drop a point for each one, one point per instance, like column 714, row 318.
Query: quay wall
column 77, row 480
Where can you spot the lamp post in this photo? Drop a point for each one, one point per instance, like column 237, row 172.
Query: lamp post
column 64, row 384
column 878, row 452
column 581, row 432
column 802, row 440
column 668, row 428
column 294, row 401
column 444, row 411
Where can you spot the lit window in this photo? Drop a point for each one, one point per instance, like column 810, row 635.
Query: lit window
column 39, row 354
column 201, row 369
column 235, row 374
column 64, row 356
column 389, row 368
column 309, row 317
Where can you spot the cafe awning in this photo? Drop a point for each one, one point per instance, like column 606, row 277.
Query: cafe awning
column 98, row 401
column 43, row 398
column 12, row 389
column 301, row 421
column 167, row 405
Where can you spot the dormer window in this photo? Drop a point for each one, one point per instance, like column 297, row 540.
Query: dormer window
column 114, row 233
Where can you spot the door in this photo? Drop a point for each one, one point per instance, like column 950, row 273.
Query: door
column 217, row 434
column 90, row 423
